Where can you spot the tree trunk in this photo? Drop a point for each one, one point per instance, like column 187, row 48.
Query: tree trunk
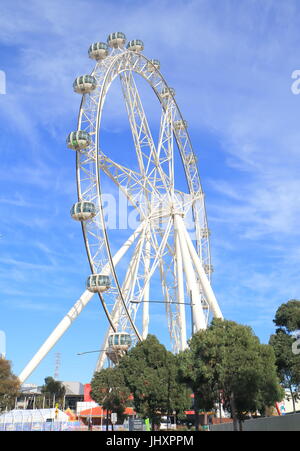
column 197, row 420
column 107, row 420
column 196, row 409
column 293, row 399
column 233, row 412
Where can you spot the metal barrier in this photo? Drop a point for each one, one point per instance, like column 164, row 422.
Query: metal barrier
column 289, row 422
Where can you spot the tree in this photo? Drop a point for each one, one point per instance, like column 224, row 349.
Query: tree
column 178, row 394
column 287, row 319
column 228, row 358
column 150, row 373
column 193, row 373
column 55, row 390
column 109, row 390
column 287, row 316
column 9, row 385
column 270, row 389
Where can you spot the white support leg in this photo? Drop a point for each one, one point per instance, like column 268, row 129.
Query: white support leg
column 207, row 289
column 75, row 311
column 62, row 327
column 198, row 314
column 146, row 304
column 180, row 294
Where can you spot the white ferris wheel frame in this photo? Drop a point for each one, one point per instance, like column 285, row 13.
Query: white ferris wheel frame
column 162, row 241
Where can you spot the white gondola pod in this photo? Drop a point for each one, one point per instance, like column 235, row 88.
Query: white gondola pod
column 116, row 40
column 119, row 341
column 98, row 51
column 98, row 283
column 83, row 211
column 85, row 84
column 153, row 65
column 78, row 140
column 180, row 125
column 135, row 45
column 118, row 345
column 167, row 93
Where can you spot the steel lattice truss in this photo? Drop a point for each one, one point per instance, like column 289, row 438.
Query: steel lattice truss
column 161, row 244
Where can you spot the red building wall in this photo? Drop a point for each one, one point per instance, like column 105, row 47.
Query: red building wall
column 87, row 390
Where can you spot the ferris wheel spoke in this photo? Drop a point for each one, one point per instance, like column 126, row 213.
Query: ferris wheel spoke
column 159, row 252
column 128, row 286
column 165, row 151
column 120, row 318
column 140, row 282
column 146, row 282
column 142, row 137
column 168, row 281
column 147, row 154
column 140, row 273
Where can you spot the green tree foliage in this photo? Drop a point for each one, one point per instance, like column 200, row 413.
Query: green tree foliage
column 109, row 390
column 228, row 359
column 287, row 319
column 9, row 385
column 54, row 392
column 150, row 373
column 287, row 316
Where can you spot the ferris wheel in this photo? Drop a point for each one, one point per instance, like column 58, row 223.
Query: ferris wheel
column 162, row 257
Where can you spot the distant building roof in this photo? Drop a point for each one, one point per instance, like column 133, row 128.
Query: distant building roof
column 99, row 412
column 73, row 388
column 30, row 388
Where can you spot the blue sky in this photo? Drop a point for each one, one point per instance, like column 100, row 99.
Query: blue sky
column 230, row 63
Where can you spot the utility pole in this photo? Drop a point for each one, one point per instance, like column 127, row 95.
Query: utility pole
column 57, row 365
